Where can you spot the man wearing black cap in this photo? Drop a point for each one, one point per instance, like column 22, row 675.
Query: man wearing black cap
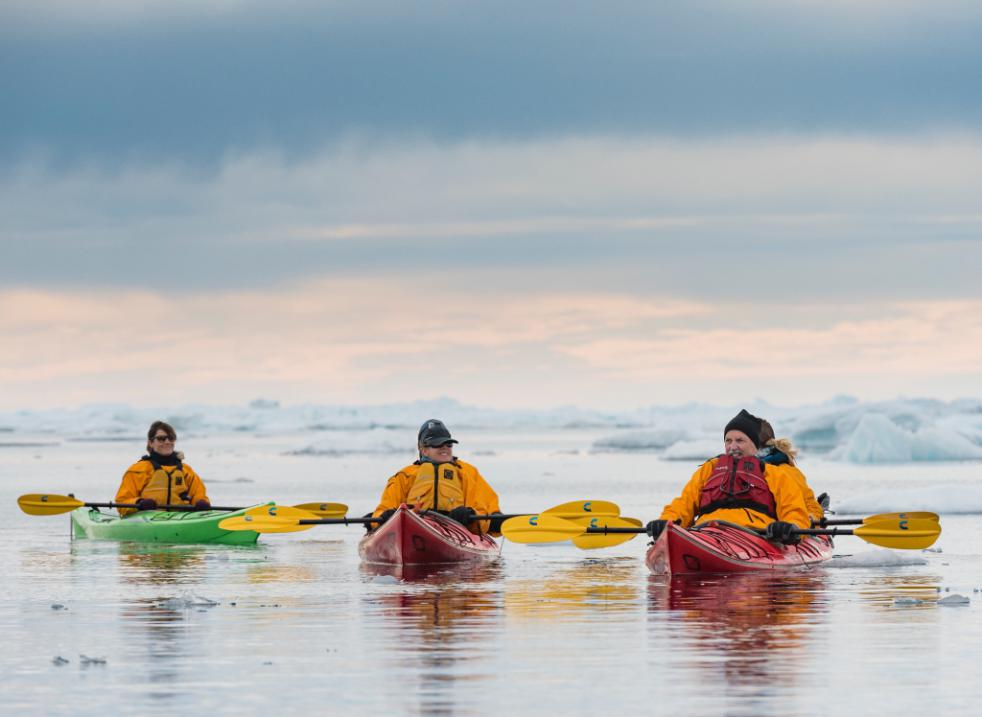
column 440, row 481
column 739, row 488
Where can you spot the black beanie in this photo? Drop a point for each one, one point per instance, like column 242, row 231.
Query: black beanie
column 746, row 423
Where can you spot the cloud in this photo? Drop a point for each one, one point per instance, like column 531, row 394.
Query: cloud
column 115, row 82
column 886, row 219
column 401, row 338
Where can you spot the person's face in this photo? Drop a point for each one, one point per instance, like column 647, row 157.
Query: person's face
column 737, row 443
column 162, row 443
column 439, row 454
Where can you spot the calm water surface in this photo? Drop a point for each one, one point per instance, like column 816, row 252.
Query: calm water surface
column 297, row 624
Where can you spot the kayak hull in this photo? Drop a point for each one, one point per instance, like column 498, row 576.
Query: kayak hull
column 721, row 547
column 161, row 526
column 408, row 538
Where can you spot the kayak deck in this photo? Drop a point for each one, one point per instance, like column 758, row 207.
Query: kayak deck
column 409, row 538
column 722, row 547
column 160, row 526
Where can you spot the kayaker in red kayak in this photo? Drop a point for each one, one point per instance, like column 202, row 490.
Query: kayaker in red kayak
column 739, row 488
column 442, row 482
column 161, row 477
column 780, row 453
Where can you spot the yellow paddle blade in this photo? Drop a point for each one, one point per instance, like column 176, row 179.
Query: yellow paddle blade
column 540, row 529
column 904, row 539
column 592, row 541
column 325, row 510
column 902, row 524
column 281, row 512
column 263, row 524
column 47, row 504
column 576, row 508
column 911, row 515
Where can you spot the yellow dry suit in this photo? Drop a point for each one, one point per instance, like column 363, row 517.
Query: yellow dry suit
column 174, row 484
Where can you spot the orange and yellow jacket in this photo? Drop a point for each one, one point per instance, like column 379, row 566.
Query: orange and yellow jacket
column 460, row 484
column 814, row 508
column 788, row 500
column 168, row 485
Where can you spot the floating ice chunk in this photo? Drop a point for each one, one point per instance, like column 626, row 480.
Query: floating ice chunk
column 954, row 599
column 876, row 439
column 58, row 606
column 876, row 559
column 86, row 660
column 58, row 660
column 640, row 440
column 384, row 580
column 944, row 498
column 186, row 601
column 908, row 601
column 697, row 450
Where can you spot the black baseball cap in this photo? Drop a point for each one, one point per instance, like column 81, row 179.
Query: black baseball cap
column 434, row 433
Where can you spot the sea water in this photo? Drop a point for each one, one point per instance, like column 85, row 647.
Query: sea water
column 296, row 623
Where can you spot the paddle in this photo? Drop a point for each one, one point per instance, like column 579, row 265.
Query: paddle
column 48, row 504
column 282, row 519
column 906, row 535
column 911, row 515
column 592, row 541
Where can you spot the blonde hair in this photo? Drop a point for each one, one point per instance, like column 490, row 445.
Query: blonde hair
column 785, row 446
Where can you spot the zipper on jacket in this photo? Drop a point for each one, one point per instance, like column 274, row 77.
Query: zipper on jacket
column 436, row 486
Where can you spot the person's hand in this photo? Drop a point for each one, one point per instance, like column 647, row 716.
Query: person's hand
column 463, row 514
column 656, row 528
column 495, row 526
column 146, row 504
column 783, row 532
column 203, row 505
column 386, row 514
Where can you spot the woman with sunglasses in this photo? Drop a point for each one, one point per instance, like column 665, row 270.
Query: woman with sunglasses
column 160, row 477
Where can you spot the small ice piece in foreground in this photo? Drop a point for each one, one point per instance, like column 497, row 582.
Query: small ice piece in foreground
column 907, row 601
column 931, row 550
column 59, row 660
column 954, row 599
column 186, row 601
column 86, row 660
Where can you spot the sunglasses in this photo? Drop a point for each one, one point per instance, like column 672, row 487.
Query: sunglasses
column 164, row 439
column 440, row 445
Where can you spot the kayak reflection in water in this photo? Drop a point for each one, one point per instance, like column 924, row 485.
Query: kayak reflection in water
column 161, row 477
column 749, row 630
column 738, row 487
column 442, row 482
column 781, row 452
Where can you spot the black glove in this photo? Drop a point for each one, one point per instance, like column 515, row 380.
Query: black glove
column 656, row 528
column 203, row 505
column 386, row 514
column 495, row 526
column 146, row 504
column 782, row 532
column 462, row 514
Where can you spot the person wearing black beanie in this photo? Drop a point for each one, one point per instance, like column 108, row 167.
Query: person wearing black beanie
column 748, row 424
column 738, row 487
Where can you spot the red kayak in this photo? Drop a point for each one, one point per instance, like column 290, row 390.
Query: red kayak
column 409, row 538
column 722, row 547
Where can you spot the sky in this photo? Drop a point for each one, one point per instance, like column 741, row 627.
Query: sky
column 513, row 204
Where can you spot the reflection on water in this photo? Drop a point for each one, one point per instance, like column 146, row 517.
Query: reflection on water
column 748, row 633
column 433, row 626
column 895, row 592
column 583, row 591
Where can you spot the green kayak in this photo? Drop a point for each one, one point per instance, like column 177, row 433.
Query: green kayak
column 161, row 526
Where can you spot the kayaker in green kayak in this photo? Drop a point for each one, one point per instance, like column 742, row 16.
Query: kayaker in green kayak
column 739, row 488
column 161, row 477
